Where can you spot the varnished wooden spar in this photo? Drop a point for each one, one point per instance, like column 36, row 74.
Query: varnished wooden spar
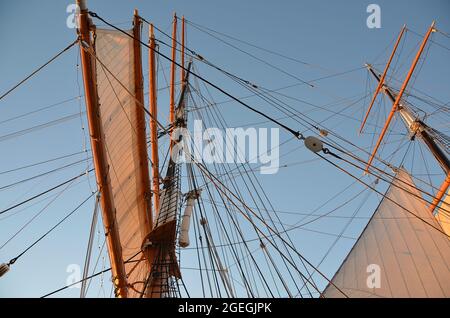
column 442, row 214
column 172, row 76
column 419, row 128
column 413, row 125
column 99, row 157
column 151, row 251
column 182, row 73
column 143, row 178
column 442, row 191
column 381, row 81
column 161, row 251
column 144, row 197
column 154, row 117
column 400, row 95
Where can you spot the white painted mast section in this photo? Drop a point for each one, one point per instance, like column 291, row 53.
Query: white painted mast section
column 186, row 219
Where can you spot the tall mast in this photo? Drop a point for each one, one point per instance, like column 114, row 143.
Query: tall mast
column 153, row 119
column 381, row 81
column 99, row 156
column 172, row 76
column 417, row 127
column 400, row 95
column 442, row 191
column 182, row 72
column 145, row 207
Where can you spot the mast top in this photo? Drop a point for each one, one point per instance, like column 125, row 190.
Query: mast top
column 82, row 4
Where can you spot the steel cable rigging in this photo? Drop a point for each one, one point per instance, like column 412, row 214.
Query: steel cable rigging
column 13, row 260
column 38, row 69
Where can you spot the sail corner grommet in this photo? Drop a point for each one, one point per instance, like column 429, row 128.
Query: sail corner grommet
column 314, row 144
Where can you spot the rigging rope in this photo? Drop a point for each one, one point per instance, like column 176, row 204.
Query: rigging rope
column 41, row 162
column 41, row 109
column 211, row 177
column 38, row 69
column 36, row 215
column 38, row 127
column 87, row 260
column 45, row 192
column 13, row 260
column 249, row 172
column 295, row 133
column 89, row 277
column 7, row 186
column 326, row 151
column 385, row 173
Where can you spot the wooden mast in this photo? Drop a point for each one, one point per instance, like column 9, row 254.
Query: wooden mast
column 172, row 77
column 144, row 198
column 381, row 81
column 442, row 191
column 99, row 156
column 160, row 249
column 182, row 73
column 400, row 94
column 154, row 116
column 416, row 126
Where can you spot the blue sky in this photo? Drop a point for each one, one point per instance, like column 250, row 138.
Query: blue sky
column 330, row 36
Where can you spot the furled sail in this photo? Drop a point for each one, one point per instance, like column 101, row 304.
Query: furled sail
column 397, row 254
column 123, row 125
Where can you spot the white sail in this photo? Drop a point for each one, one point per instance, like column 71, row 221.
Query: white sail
column 397, row 254
column 119, row 118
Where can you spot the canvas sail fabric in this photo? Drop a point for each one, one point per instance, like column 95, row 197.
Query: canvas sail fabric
column 118, row 119
column 397, row 255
